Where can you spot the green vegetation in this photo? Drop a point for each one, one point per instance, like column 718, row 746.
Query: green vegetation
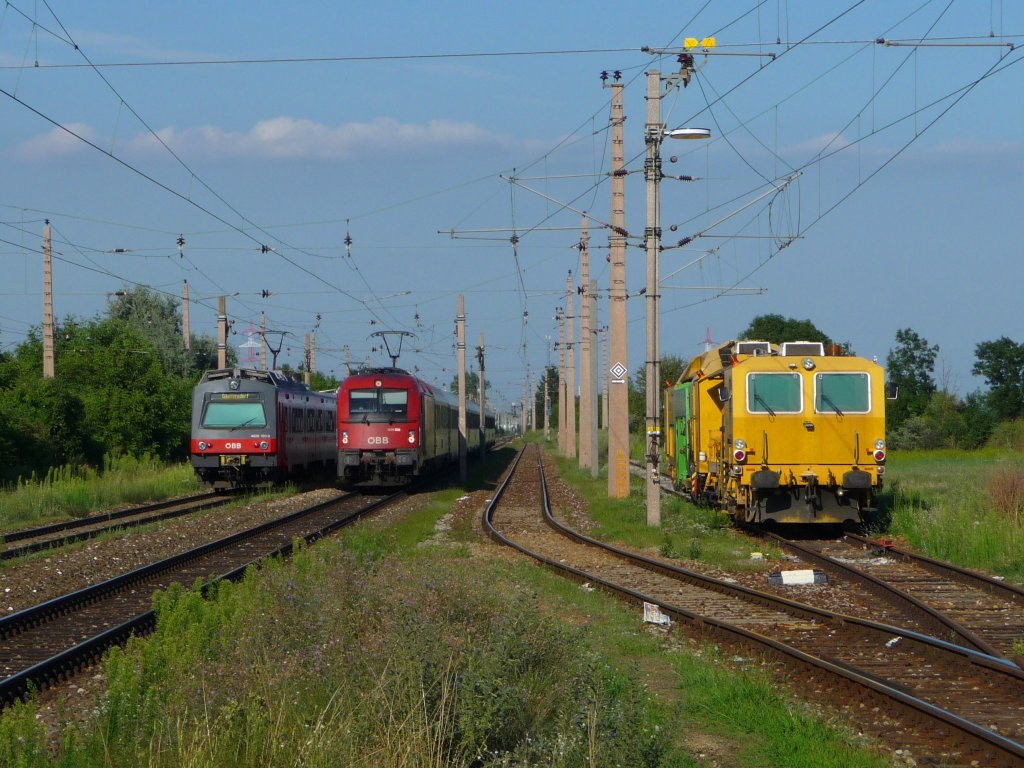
column 75, row 491
column 389, row 647
column 687, row 532
column 123, row 385
column 427, row 660
column 965, row 507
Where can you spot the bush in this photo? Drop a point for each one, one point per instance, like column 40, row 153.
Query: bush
column 1005, row 487
column 1009, row 436
column 344, row 661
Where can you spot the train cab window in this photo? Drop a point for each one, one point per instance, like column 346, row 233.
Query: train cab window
column 394, row 402
column 773, row 393
column 842, row 393
column 378, row 404
column 362, row 401
column 224, row 414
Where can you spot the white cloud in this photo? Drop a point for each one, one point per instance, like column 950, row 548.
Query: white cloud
column 826, row 142
column 285, row 138
column 977, row 148
column 132, row 47
column 57, row 142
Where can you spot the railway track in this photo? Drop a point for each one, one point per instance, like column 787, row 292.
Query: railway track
column 961, row 605
column 29, row 540
column 945, row 703
column 46, row 642
column 949, row 602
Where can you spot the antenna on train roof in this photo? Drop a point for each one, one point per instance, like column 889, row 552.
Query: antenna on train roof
column 387, row 343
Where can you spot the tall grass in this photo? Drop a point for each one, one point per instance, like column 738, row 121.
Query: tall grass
column 75, row 491
column 430, row 662
column 964, row 507
column 403, row 653
column 687, row 531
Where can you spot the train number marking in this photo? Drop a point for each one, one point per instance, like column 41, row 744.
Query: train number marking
column 377, row 440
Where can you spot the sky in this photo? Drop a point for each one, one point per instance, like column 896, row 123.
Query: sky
column 864, row 171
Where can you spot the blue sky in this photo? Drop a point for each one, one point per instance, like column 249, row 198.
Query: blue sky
column 898, row 169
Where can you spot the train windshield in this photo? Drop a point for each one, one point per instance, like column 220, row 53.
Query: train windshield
column 228, row 415
column 842, row 393
column 773, row 393
column 378, row 404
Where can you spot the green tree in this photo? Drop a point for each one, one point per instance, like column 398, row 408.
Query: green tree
column 672, row 367
column 472, row 385
column 910, row 366
column 158, row 317
column 1001, row 363
column 131, row 403
column 552, row 384
column 321, row 382
column 778, row 330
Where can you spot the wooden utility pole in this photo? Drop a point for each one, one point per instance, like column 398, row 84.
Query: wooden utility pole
column 460, row 336
column 222, row 332
column 263, row 341
column 533, row 400
column 592, row 335
column 547, row 392
column 307, row 358
column 561, row 381
column 48, row 362
column 570, row 351
column 652, row 237
column 618, row 360
column 522, row 411
column 186, row 330
column 607, row 376
column 483, row 399
column 586, row 459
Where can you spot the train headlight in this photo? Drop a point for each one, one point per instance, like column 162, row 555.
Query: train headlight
column 739, row 450
column 203, row 446
column 879, row 445
column 344, row 437
column 412, row 436
column 264, row 445
column 808, row 364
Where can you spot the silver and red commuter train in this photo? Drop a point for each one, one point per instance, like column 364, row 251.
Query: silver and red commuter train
column 394, row 427
column 252, row 427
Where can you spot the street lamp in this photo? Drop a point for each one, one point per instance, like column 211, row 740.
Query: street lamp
column 654, row 134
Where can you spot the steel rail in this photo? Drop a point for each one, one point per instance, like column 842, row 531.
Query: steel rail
column 71, row 659
column 116, row 520
column 987, row 583
column 937, row 620
column 995, row 745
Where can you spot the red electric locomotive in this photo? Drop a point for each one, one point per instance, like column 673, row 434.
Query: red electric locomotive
column 393, row 427
column 252, row 427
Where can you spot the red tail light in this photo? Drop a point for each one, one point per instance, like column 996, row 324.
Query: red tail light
column 879, row 455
